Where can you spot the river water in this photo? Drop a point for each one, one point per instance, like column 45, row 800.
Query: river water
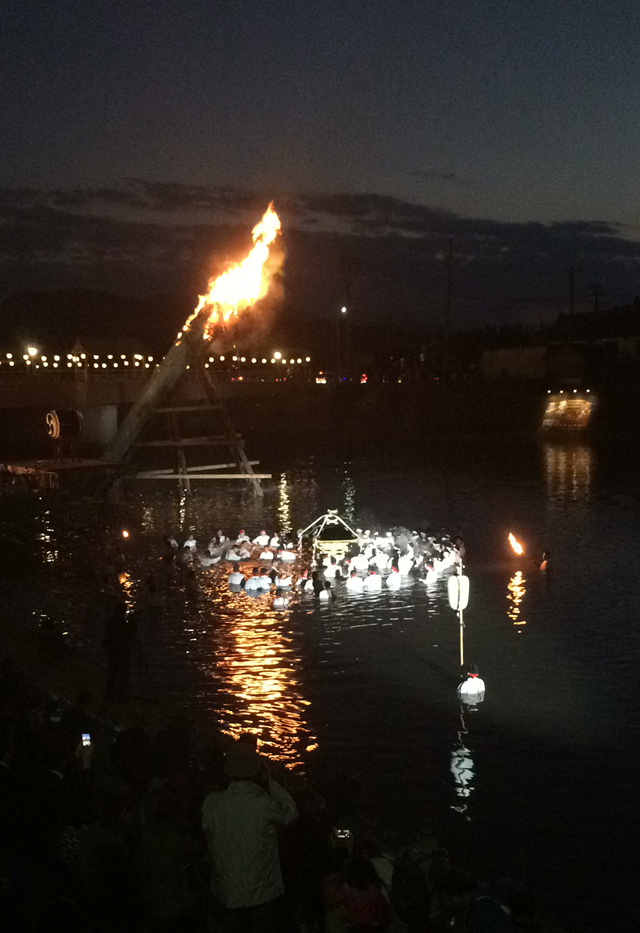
column 540, row 781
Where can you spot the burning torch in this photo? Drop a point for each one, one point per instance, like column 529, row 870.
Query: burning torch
column 228, row 295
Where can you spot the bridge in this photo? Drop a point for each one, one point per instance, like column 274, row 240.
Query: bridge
column 102, row 394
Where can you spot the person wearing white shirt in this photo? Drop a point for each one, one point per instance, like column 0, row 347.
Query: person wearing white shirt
column 242, row 537
column 266, row 554
column 280, row 600
column 326, row 594
column 405, row 563
column 283, row 582
column 354, row 583
column 254, row 583
column 206, row 560
column 372, row 583
column 394, row 580
column 471, row 691
column 287, row 556
column 381, row 561
column 190, row 542
column 360, row 563
column 275, row 541
column 236, row 578
column 262, row 540
column 265, row 579
column 332, row 570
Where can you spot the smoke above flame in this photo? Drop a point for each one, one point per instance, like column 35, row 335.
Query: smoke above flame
column 242, row 284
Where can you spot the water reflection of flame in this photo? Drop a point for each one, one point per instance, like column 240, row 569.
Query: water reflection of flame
column 48, row 551
column 516, row 591
column 126, row 584
column 284, row 507
column 568, row 471
column 259, row 688
column 182, row 508
column 349, row 497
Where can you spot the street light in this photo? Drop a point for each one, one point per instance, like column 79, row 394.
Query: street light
column 343, row 310
column 32, row 351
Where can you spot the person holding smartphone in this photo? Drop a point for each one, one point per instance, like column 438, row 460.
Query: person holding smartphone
column 241, row 825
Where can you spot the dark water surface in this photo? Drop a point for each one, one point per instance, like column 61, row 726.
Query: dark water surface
column 540, row 782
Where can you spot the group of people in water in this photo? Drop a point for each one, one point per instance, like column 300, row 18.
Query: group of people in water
column 373, row 560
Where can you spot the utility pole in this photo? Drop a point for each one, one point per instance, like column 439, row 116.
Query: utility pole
column 572, row 273
column 447, row 311
column 347, row 278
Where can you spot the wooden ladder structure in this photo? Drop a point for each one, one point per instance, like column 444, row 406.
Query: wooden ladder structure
column 155, row 400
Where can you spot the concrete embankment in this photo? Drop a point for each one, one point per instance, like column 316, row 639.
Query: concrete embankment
column 349, row 415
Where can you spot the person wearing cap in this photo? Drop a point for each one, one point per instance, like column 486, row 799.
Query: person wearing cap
column 262, row 539
column 394, row 580
column 471, row 691
column 354, row 583
column 241, row 825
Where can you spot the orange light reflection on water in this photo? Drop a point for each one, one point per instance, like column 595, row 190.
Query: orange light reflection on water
column 257, row 670
column 516, row 591
column 126, row 584
column 569, row 470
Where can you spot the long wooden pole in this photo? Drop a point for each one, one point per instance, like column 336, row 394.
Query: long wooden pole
column 461, row 616
column 162, row 381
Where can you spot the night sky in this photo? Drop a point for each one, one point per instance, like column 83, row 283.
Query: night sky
column 140, row 138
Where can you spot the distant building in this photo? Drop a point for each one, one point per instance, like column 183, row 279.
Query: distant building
column 577, row 348
column 514, row 363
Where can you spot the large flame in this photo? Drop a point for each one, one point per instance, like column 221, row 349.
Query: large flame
column 515, row 544
column 242, row 284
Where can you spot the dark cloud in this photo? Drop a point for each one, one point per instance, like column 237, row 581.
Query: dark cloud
column 449, row 178
column 387, row 255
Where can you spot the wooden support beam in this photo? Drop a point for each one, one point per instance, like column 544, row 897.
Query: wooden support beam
column 180, row 408
column 195, row 469
column 247, row 476
column 190, row 442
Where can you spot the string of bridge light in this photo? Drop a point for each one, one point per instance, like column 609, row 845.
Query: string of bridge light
column 35, row 360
